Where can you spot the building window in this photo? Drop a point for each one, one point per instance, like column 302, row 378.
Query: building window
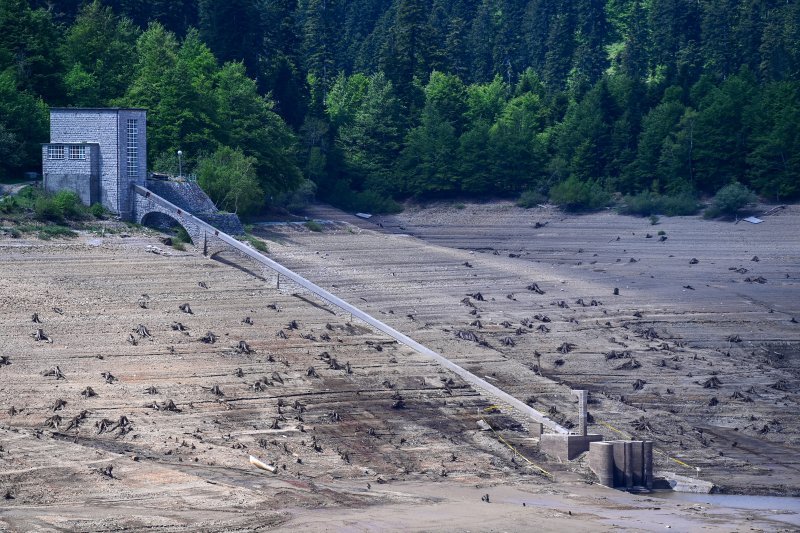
column 77, row 152
column 55, row 152
column 133, row 149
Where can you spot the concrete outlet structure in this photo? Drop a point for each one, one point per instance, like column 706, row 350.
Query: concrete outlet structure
column 568, row 447
column 623, row 464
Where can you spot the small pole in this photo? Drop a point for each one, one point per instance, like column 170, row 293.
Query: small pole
column 180, row 163
column 278, row 281
column 583, row 397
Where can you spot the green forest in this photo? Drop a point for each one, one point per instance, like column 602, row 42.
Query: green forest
column 367, row 103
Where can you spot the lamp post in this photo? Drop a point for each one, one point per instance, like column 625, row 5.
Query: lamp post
column 180, row 163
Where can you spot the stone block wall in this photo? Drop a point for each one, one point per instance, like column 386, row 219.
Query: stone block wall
column 108, row 129
column 81, row 176
column 185, row 194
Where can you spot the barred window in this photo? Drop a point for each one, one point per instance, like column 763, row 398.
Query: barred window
column 55, row 152
column 77, row 152
column 133, row 148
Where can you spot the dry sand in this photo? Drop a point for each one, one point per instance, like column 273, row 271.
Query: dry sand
column 359, row 464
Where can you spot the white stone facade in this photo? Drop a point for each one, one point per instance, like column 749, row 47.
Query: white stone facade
column 121, row 138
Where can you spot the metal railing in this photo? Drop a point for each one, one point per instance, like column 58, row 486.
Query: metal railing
column 468, row 376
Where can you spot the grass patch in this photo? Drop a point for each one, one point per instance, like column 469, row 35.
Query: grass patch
column 178, row 245
column 314, row 226
column 53, row 231
column 256, row 243
column 460, row 206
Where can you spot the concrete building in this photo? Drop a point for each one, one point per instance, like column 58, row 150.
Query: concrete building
column 97, row 153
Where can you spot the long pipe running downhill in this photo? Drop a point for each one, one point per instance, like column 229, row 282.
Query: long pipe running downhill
column 469, row 377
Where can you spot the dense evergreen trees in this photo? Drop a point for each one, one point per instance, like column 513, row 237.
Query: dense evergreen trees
column 373, row 99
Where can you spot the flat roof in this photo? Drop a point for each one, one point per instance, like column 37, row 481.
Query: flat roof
column 97, row 109
column 71, row 142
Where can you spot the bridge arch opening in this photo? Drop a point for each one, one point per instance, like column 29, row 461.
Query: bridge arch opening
column 167, row 224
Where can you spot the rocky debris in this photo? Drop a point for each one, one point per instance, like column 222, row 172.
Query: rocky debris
column 639, row 384
column 712, row 383
column 641, row 424
column 741, row 397
column 630, row 364
column 209, row 338
column 247, row 320
column 54, row 372
column 35, row 318
column 467, row 335
column 534, row 287
column 108, row 377
column 77, row 420
column 760, row 280
column 311, row 372
column 566, row 348
column 59, row 404
column 693, row 261
column 186, row 308
column 40, row 336
column 243, row 348
column 477, row 296
column 177, row 326
column 53, row 422
column 142, row 331
column 88, row 392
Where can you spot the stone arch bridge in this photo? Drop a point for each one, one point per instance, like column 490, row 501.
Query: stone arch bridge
column 149, row 207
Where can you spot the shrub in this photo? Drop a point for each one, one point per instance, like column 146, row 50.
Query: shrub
column 729, row 200
column 460, row 206
column 367, row 201
column 576, row 195
column 298, row 199
column 98, row 211
column 313, row 225
column 373, row 202
column 69, row 204
column 654, row 220
column 182, row 236
column 529, row 199
column 47, row 210
column 648, row 203
column 8, row 204
column 680, row 205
